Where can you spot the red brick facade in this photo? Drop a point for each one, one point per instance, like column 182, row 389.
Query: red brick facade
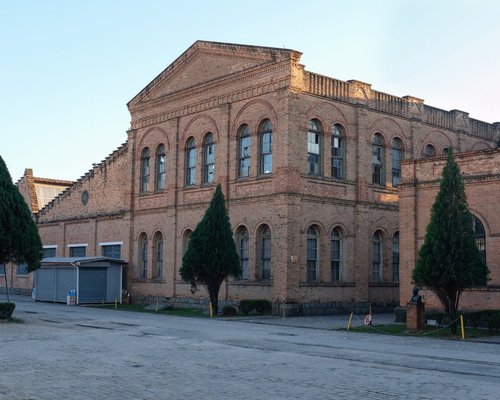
column 420, row 185
column 217, row 89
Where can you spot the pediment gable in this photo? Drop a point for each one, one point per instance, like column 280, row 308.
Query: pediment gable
column 208, row 61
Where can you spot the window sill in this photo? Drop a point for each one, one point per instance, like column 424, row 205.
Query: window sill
column 251, row 283
column 327, row 284
column 383, row 284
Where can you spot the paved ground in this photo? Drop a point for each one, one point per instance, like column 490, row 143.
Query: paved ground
column 63, row 352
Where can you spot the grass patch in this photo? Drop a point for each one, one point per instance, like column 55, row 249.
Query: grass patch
column 180, row 312
column 443, row 332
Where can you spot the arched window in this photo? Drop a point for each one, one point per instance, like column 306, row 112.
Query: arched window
column 378, row 160
column 335, row 255
column 185, row 240
column 377, row 257
column 244, row 149
column 445, row 151
column 312, row 254
column 242, row 238
column 314, row 147
column 145, row 170
column 264, row 247
column 397, row 156
column 266, row 147
column 480, row 236
column 395, row 257
column 161, row 159
column 190, row 162
column 143, row 256
column 429, row 151
column 208, row 159
column 158, row 255
column 337, row 152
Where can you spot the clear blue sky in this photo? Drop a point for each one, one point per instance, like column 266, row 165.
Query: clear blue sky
column 68, row 68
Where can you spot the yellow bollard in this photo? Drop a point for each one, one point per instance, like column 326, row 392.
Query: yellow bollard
column 116, row 303
column 349, row 323
column 157, row 305
column 210, row 308
column 462, row 325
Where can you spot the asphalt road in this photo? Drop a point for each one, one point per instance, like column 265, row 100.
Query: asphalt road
column 64, row 352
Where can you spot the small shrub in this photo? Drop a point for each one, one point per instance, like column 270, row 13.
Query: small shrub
column 259, row 305
column 228, row 311
column 6, row 310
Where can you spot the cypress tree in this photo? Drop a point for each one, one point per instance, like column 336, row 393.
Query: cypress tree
column 19, row 238
column 449, row 260
column 211, row 254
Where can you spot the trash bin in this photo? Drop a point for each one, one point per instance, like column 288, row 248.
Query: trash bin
column 71, row 298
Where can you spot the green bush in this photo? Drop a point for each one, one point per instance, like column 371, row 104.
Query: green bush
column 259, row 305
column 228, row 311
column 6, row 310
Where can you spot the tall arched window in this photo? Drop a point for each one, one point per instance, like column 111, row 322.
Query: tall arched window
column 161, row 159
column 395, row 257
column 377, row 257
column 190, row 162
column 185, row 240
column 266, row 147
column 244, row 151
column 314, row 147
column 143, row 256
column 429, row 151
column 378, row 160
column 397, row 156
column 242, row 238
column 158, row 255
column 335, row 255
column 337, row 152
column 208, row 158
column 145, row 171
column 265, row 252
column 480, row 236
column 312, row 254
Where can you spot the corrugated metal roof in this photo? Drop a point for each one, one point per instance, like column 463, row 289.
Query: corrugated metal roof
column 78, row 261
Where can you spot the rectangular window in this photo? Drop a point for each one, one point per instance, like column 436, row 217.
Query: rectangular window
column 49, row 251
column 2, row 269
column 77, row 251
column 335, row 260
column 111, row 250
column 22, row 269
column 244, row 168
column 266, row 258
column 377, row 259
column 312, row 259
column 266, row 163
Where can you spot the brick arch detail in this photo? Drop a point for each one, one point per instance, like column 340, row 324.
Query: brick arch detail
column 149, row 132
column 253, row 124
column 211, row 126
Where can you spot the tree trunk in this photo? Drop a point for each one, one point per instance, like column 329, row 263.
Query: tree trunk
column 6, row 283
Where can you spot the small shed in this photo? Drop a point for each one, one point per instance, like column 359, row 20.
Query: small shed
column 93, row 279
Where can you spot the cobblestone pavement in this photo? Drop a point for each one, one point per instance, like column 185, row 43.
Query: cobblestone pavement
column 63, row 352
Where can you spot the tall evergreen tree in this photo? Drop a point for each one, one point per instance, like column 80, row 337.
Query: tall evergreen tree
column 211, row 254
column 19, row 238
column 449, row 260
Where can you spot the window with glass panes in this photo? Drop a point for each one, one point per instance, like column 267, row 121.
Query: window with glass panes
column 312, row 254
column 208, row 159
column 145, row 170
column 161, row 160
column 244, row 149
column 111, row 250
column 378, row 160
column 78, row 251
column 335, row 254
column 397, row 156
column 266, row 148
column 480, row 236
column 158, row 262
column 337, row 152
column 377, row 257
column 314, row 148
column 190, row 162
column 265, row 252
column 395, row 257
column 49, row 252
column 22, row 269
column 143, row 256
column 243, row 250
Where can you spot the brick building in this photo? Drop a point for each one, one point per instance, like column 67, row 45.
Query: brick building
column 37, row 192
column 309, row 166
column 419, row 187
